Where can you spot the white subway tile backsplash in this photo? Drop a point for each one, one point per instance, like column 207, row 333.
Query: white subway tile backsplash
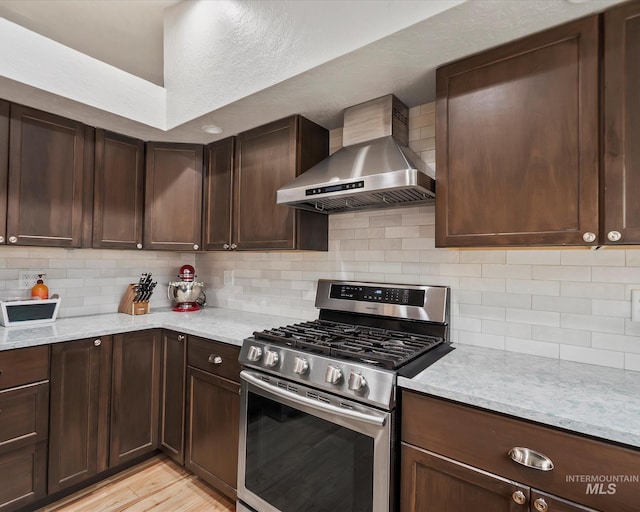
column 511, row 300
column 506, row 329
column 480, row 256
column 608, row 257
column 615, row 275
column 632, row 362
column 561, row 336
column 616, row 342
column 480, row 339
column 506, row 271
column 561, row 304
column 592, row 356
column 533, row 287
column 535, row 348
column 482, row 312
column 461, row 269
column 616, row 308
column 611, row 291
column 561, row 272
column 533, row 257
column 592, row 323
column 527, row 316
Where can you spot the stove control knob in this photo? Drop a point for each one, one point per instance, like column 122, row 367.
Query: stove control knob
column 271, row 358
column 333, row 375
column 300, row 365
column 356, row 381
column 254, row 353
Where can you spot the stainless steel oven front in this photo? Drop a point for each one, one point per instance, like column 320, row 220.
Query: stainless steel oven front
column 302, row 449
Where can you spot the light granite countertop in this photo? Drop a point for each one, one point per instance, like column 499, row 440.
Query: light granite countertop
column 593, row 400
column 588, row 399
column 228, row 326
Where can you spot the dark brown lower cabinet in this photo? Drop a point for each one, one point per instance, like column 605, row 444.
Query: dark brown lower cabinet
column 80, row 391
column 174, row 355
column 212, row 426
column 23, row 445
column 433, row 483
column 135, row 395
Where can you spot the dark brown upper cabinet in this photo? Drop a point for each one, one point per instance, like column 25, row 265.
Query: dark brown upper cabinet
column 266, row 158
column 173, row 196
column 46, row 179
column 4, row 167
column 517, row 142
column 118, row 191
column 218, row 194
column 621, row 101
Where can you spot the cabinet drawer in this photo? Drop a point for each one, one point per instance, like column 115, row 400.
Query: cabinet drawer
column 23, row 415
column 23, row 473
column 203, row 354
column 23, row 366
column 583, row 467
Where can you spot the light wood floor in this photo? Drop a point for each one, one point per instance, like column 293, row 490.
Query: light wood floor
column 158, row 484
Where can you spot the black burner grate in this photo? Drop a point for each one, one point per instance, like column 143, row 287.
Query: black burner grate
column 381, row 347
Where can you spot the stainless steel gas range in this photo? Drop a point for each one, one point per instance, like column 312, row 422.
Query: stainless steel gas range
column 318, row 399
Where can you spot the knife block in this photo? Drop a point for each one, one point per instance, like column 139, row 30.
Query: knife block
column 132, row 308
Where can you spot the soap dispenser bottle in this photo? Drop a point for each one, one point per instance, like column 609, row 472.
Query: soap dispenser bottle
column 40, row 290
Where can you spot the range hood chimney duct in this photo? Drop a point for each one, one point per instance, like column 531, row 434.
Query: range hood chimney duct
column 374, row 169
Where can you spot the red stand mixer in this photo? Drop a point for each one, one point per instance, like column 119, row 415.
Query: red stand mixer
column 186, row 293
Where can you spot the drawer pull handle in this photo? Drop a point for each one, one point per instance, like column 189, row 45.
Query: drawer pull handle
column 97, row 343
column 214, row 359
column 531, row 458
column 540, row 505
column 181, row 337
column 519, row 497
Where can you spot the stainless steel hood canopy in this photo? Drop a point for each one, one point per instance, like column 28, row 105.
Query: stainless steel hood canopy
column 374, row 169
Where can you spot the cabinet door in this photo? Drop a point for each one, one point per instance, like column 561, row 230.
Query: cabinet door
column 46, row 173
column 119, row 191
column 431, row 483
column 267, row 158
column 172, row 387
column 4, row 167
column 622, row 125
column 218, row 192
column 517, row 142
column 80, row 390
column 173, row 196
column 135, row 393
column 213, row 426
column 24, row 420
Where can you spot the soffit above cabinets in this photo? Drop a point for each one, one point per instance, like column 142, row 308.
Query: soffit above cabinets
column 161, row 69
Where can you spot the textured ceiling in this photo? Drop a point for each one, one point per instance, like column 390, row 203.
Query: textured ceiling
column 241, row 63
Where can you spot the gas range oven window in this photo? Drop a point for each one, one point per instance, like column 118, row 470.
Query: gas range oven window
column 297, row 461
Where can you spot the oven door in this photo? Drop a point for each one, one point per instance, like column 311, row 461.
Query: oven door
column 305, row 450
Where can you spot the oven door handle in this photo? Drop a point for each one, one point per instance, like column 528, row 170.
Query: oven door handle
column 378, row 421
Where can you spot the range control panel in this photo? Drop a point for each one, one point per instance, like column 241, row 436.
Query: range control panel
column 380, row 294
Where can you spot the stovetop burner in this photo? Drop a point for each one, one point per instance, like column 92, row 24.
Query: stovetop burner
column 385, row 348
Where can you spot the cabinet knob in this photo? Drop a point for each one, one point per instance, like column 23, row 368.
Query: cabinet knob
column 519, row 497
column 138, row 246
column 234, row 246
column 214, row 359
column 589, row 237
column 181, row 337
column 540, row 505
column 13, row 239
column 614, row 236
column 97, row 343
column 1, row 239
column 530, row 458
column 226, row 246
column 196, row 247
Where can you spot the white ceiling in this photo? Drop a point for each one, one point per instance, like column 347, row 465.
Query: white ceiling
column 160, row 69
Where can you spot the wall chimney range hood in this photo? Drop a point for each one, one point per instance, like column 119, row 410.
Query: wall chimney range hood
column 374, row 169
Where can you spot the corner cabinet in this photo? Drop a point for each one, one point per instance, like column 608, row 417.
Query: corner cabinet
column 517, row 142
column 135, row 395
column 267, row 158
column 621, row 219
column 46, row 179
column 455, row 458
column 173, row 196
column 172, row 394
column 119, row 191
